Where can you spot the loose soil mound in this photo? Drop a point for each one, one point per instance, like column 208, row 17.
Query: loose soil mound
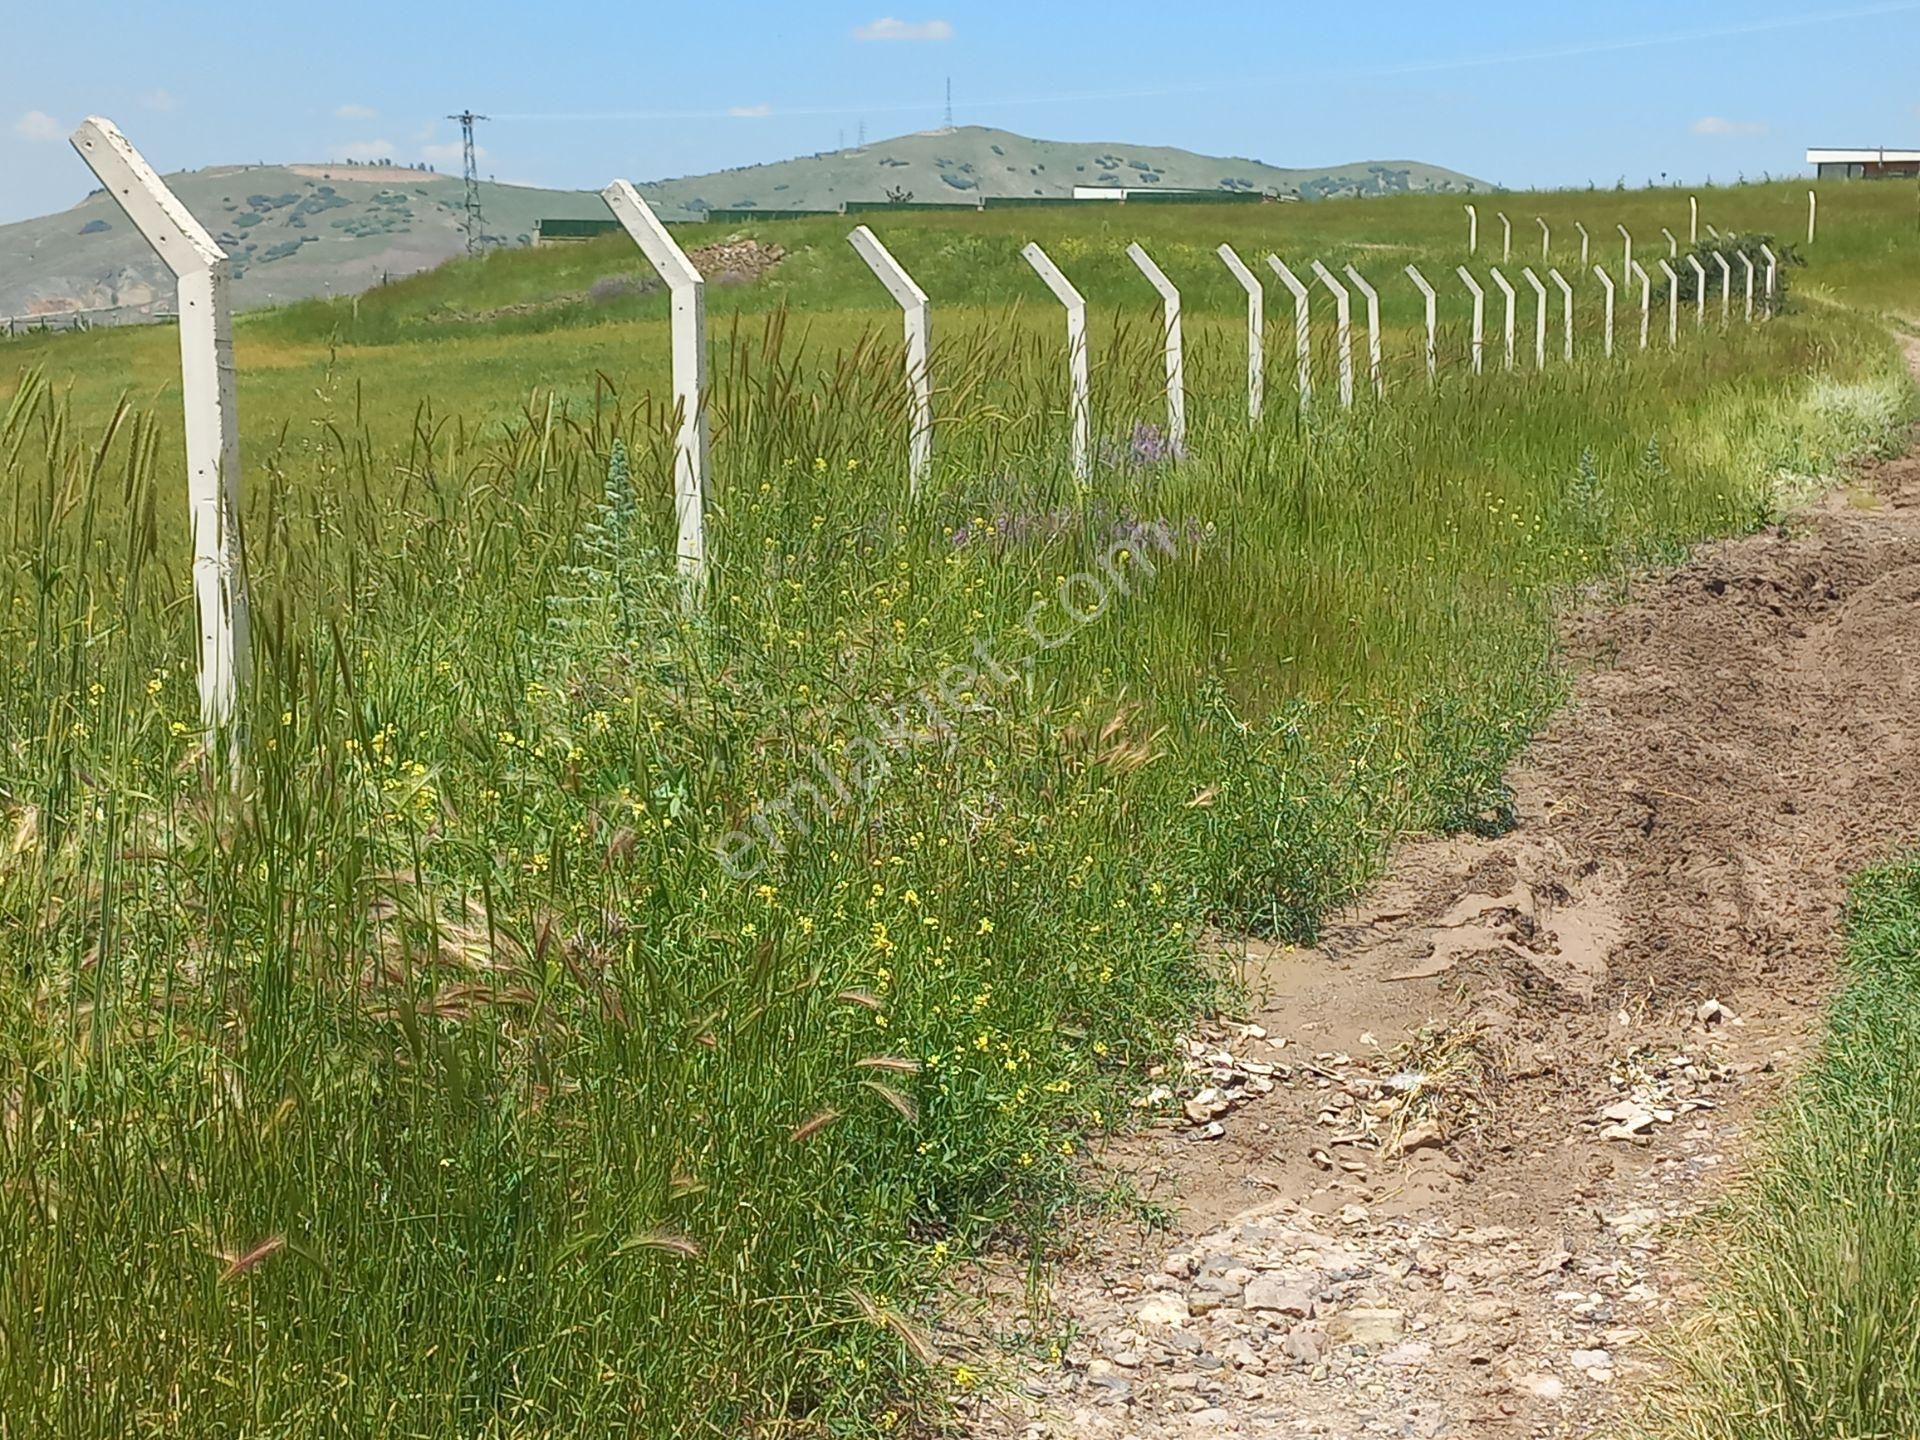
column 1430, row 1186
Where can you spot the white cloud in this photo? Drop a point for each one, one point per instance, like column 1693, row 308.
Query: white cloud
column 449, row 153
column 38, row 125
column 355, row 112
column 367, row 150
column 160, row 100
column 1723, row 128
column 750, row 112
column 888, row 28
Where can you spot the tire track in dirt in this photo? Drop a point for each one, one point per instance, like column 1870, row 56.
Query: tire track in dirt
column 1431, row 1185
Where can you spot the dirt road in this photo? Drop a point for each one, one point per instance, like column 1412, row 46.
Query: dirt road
column 1437, row 1183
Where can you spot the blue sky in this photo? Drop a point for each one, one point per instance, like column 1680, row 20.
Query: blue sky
column 1525, row 94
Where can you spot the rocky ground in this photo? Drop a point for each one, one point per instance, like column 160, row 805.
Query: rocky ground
column 1437, row 1182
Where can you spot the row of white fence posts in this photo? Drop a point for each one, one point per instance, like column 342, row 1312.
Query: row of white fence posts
column 1626, row 268
column 200, row 270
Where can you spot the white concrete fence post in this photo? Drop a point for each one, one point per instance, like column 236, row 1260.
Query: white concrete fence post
column 1256, row 330
column 1506, row 290
column 1479, row 317
column 1473, row 230
column 1693, row 220
column 1374, row 372
column 1302, row 324
column 1746, row 260
column 1726, row 287
column 212, row 426
column 1773, row 276
column 1673, row 245
column 1673, row 303
column 1646, row 301
column 1626, row 255
column 1546, row 237
column 1539, row 316
column 1176, row 359
column 1699, row 292
column 1585, row 243
column 1607, row 281
column 1342, row 330
column 917, row 313
column 1506, row 238
column 1433, row 353
column 687, row 292
column 1079, row 404
column 1813, row 214
column 1566, row 302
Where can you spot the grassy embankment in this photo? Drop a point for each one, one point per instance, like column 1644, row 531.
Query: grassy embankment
column 1813, row 1332
column 442, row 1079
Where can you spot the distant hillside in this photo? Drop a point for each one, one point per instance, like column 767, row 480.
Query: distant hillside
column 966, row 163
column 292, row 230
column 301, row 230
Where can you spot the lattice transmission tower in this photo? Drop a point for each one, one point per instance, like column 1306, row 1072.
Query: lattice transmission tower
column 472, row 168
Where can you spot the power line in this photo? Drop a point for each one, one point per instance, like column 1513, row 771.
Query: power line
column 467, row 119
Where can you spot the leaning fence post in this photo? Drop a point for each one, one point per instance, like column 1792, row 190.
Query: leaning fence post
column 1539, row 317
column 1176, row 358
column 1773, row 275
column 1506, row 237
column 1479, row 317
column 917, row 318
column 1426, row 291
column 1646, row 301
column 1342, row 330
column 1546, row 237
column 1256, row 327
column 1372, row 298
column 1726, row 287
column 1673, row 303
column 1076, row 307
column 1699, row 292
column 1626, row 258
column 1813, row 214
column 1585, row 241
column 1473, row 230
column 1747, row 261
column 1302, row 324
column 1566, row 301
column 688, row 292
column 1693, row 220
column 1673, row 245
column 1607, row 280
column 212, row 429
column 1507, row 291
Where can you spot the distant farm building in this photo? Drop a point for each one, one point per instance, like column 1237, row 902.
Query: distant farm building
column 1877, row 164
column 566, row 232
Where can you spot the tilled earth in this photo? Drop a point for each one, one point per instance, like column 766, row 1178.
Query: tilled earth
column 1436, row 1183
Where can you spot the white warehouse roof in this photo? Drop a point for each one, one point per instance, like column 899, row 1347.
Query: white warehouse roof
column 1861, row 157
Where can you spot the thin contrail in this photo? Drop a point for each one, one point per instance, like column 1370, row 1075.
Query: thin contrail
column 1203, row 87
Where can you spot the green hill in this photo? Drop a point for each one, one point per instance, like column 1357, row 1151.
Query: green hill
column 296, row 231
column 964, row 164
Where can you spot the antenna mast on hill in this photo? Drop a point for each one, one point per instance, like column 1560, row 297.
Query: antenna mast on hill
column 466, row 119
column 949, row 103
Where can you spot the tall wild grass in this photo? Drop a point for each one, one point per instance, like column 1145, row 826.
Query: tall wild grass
column 445, row 1074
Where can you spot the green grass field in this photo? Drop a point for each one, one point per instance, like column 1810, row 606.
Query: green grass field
column 589, row 1018
column 1810, row 1332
